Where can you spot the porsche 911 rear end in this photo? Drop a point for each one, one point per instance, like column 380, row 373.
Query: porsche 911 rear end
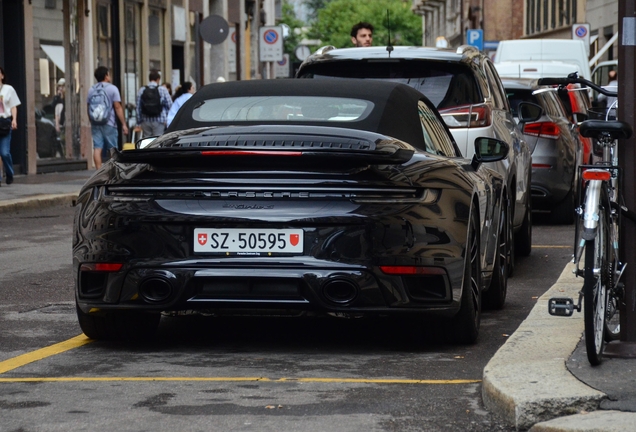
column 270, row 220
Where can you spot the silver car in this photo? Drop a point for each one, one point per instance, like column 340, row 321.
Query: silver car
column 556, row 148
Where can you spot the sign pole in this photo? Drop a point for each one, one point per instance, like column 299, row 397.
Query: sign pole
column 626, row 348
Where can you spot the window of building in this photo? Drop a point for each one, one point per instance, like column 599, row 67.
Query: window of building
column 156, row 30
column 104, row 35
column 132, row 56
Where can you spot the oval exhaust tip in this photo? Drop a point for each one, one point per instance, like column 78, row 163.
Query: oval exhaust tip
column 340, row 291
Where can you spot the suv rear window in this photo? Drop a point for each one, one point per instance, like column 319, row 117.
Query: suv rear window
column 444, row 84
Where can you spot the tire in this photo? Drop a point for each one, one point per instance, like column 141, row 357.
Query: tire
column 464, row 326
column 595, row 292
column 118, row 325
column 563, row 212
column 495, row 297
column 523, row 237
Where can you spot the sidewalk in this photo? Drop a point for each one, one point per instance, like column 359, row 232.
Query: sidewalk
column 539, row 379
column 33, row 191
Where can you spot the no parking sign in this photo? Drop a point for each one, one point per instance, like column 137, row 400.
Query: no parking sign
column 582, row 32
column 271, row 43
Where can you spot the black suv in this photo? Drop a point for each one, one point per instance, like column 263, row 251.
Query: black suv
column 466, row 89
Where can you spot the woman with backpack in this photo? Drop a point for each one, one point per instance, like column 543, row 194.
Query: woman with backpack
column 183, row 93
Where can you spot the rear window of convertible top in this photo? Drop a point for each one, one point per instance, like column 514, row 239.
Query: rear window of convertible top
column 282, row 108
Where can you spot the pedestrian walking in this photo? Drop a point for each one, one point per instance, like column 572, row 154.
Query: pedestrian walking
column 609, row 101
column 58, row 105
column 9, row 102
column 153, row 104
column 183, row 93
column 104, row 104
column 362, row 34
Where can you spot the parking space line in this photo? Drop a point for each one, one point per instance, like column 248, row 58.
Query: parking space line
column 43, row 353
column 243, row 379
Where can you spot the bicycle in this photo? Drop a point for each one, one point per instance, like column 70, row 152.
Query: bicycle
column 597, row 231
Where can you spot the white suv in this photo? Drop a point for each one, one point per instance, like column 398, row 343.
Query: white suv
column 465, row 87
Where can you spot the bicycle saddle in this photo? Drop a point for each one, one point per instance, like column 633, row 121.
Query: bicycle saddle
column 597, row 128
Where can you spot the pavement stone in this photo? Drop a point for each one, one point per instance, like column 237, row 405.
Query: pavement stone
column 597, row 421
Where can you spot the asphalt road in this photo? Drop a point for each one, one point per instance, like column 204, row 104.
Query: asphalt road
column 206, row 373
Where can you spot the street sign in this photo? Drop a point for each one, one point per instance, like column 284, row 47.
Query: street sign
column 475, row 37
column 582, row 32
column 281, row 68
column 270, row 43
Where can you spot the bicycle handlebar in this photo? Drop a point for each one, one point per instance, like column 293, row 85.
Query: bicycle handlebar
column 575, row 79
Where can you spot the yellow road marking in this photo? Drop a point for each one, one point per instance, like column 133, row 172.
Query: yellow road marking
column 43, row 353
column 24, row 359
column 243, row 379
column 552, row 246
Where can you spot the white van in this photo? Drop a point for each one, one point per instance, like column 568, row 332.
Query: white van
column 535, row 69
column 562, row 50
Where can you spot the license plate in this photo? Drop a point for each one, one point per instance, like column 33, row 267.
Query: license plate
column 248, row 241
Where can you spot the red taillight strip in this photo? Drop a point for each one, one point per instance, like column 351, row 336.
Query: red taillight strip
column 103, row 267
column 541, row 166
column 596, row 174
column 412, row 270
column 542, row 129
column 250, row 153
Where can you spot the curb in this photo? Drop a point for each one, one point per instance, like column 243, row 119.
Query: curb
column 37, row 202
column 526, row 381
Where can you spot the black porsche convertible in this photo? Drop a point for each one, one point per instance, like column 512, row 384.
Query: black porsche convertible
column 301, row 197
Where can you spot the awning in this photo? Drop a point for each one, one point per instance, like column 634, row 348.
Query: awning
column 56, row 54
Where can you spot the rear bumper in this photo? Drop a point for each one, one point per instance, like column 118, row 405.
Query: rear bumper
column 321, row 289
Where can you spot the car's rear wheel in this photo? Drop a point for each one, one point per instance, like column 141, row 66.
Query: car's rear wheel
column 465, row 325
column 118, row 325
column 495, row 297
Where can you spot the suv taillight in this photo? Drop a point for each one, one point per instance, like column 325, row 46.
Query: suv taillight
column 467, row 116
column 542, row 130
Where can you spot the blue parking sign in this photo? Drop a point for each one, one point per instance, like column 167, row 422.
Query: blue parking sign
column 475, row 37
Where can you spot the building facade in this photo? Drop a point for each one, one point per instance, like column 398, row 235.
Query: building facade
column 511, row 19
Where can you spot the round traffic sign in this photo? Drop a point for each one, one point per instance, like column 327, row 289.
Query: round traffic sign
column 580, row 31
column 270, row 36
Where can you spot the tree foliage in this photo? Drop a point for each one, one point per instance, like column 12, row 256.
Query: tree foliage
column 296, row 26
column 334, row 22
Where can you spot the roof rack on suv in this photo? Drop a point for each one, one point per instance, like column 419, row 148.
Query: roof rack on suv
column 466, row 48
column 324, row 49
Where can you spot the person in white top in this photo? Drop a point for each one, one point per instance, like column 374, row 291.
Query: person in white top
column 9, row 102
column 182, row 94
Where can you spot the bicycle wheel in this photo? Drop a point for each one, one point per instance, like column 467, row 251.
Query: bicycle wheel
column 595, row 291
column 614, row 295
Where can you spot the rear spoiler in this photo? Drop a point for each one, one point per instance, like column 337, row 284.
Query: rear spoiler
column 242, row 149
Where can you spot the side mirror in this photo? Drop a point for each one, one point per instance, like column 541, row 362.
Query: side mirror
column 144, row 142
column 489, row 150
column 529, row 112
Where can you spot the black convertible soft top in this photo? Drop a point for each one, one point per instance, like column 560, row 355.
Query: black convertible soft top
column 395, row 110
